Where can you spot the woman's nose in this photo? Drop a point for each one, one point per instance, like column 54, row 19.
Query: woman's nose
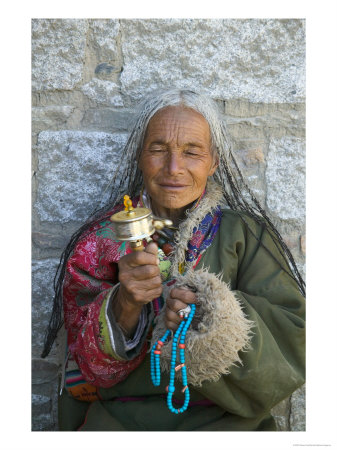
column 175, row 164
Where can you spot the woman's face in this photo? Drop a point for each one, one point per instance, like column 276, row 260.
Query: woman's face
column 176, row 158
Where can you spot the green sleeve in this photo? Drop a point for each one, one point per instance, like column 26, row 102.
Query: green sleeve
column 274, row 366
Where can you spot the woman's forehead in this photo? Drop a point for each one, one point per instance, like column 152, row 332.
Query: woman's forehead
column 179, row 112
column 174, row 118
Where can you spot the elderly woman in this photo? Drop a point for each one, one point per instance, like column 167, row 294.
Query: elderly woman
column 244, row 349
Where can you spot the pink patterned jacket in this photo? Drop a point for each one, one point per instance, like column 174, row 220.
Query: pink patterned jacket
column 91, row 274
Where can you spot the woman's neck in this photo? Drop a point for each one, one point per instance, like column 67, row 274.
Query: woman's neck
column 176, row 215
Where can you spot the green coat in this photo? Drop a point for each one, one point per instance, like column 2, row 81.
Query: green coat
column 271, row 369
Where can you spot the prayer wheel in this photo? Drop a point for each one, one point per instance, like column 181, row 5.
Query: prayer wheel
column 136, row 224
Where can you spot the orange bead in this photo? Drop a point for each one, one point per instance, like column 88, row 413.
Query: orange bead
column 160, row 343
column 167, row 248
column 181, row 345
column 157, row 352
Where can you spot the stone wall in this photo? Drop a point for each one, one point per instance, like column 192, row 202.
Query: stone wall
column 87, row 76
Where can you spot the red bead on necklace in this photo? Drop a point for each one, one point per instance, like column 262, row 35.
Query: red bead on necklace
column 163, row 243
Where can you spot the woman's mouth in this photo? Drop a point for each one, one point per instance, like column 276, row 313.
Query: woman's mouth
column 172, row 186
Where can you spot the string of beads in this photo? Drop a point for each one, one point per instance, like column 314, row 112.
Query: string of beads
column 179, row 335
column 164, row 240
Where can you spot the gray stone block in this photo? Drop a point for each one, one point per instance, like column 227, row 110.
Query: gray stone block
column 297, row 416
column 103, row 92
column 303, row 244
column 107, row 119
column 285, row 178
column 49, row 240
column 43, row 422
column 43, row 371
column 281, row 412
column 273, row 118
column 40, row 404
column 104, row 33
column 260, row 60
column 251, row 160
column 43, row 273
column 58, row 50
column 74, row 169
column 50, row 117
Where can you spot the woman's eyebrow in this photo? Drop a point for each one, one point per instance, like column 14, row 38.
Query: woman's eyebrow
column 194, row 144
column 159, row 142
column 187, row 144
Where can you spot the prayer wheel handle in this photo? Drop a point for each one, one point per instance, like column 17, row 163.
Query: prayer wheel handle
column 137, row 246
column 136, row 224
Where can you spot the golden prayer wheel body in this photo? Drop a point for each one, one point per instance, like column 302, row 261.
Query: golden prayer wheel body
column 133, row 225
column 136, row 224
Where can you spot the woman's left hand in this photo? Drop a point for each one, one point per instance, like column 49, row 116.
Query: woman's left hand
column 177, row 300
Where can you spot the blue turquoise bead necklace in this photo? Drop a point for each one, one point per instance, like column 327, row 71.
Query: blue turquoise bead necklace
column 155, row 361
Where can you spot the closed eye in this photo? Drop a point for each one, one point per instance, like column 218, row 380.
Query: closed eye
column 157, row 147
column 157, row 150
column 193, row 151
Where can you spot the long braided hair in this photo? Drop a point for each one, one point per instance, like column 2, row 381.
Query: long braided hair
column 128, row 178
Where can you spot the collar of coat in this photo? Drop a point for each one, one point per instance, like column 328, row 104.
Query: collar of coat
column 212, row 198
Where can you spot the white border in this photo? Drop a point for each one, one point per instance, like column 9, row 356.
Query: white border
column 321, row 208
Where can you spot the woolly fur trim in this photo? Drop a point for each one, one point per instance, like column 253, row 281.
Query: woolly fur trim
column 212, row 198
column 213, row 343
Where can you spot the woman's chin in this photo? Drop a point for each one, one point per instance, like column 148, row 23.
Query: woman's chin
column 167, row 207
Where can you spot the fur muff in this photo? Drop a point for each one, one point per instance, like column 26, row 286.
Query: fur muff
column 217, row 333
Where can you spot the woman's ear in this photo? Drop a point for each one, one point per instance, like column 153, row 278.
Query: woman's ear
column 214, row 166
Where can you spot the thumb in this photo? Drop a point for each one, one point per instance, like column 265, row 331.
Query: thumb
column 152, row 248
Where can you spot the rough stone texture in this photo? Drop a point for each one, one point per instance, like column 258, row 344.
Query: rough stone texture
column 250, row 155
column 303, row 244
column 259, row 60
column 41, row 422
column 48, row 240
column 104, row 92
column 285, row 178
column 74, row 167
column 104, row 36
column 253, row 120
column 44, row 407
column 43, row 371
column 281, row 413
column 50, row 117
column 44, row 398
column 57, row 66
column 107, row 119
column 297, row 416
column 86, row 74
column 41, row 405
column 42, row 294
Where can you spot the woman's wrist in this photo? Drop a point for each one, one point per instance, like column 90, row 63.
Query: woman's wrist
column 126, row 313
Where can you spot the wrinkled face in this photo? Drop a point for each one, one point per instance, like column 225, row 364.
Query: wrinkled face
column 176, row 157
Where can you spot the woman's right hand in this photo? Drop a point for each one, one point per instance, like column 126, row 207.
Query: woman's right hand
column 140, row 283
column 139, row 276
